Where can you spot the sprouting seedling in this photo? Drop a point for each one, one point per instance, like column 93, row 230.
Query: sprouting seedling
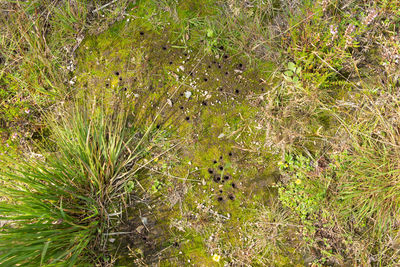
column 211, row 39
column 210, row 33
column 129, row 186
column 293, row 73
column 156, row 186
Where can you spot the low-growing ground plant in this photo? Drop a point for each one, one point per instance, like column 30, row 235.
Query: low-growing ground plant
column 347, row 204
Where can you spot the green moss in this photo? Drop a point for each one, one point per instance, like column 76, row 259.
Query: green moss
column 213, row 117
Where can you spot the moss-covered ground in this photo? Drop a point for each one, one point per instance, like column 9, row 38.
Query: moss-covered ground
column 211, row 105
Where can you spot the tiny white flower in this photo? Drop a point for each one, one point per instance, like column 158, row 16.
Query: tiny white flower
column 216, row 257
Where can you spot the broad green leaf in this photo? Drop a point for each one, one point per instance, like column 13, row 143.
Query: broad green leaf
column 288, row 73
column 292, row 66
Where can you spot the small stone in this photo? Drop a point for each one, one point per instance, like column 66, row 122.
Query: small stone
column 188, row 94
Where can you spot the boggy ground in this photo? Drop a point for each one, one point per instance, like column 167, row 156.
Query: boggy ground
column 225, row 165
column 252, row 162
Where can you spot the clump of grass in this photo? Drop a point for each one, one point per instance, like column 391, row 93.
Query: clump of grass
column 55, row 210
column 370, row 182
column 367, row 199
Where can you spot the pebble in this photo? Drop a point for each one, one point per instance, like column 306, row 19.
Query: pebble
column 188, row 94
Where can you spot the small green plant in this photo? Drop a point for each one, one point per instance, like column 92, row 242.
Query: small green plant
column 213, row 39
column 299, row 194
column 303, row 195
column 292, row 74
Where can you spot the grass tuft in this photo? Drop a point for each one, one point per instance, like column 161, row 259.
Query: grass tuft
column 55, row 210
